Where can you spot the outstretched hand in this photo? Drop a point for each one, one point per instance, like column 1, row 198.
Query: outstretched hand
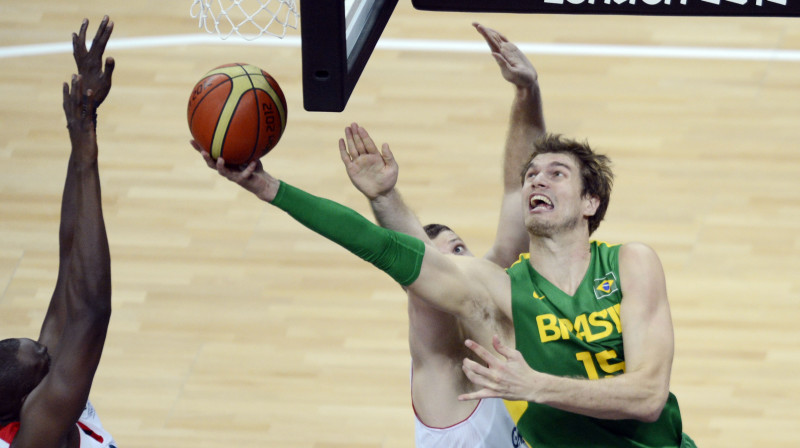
column 251, row 177
column 373, row 172
column 510, row 378
column 90, row 61
column 514, row 65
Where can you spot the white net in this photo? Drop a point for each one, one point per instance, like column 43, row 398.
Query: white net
column 248, row 19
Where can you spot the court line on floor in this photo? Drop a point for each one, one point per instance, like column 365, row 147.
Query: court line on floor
column 559, row 49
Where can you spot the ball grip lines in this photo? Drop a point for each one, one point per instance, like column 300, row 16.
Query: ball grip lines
column 237, row 112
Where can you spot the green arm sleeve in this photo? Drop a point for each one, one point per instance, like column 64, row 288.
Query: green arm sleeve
column 397, row 254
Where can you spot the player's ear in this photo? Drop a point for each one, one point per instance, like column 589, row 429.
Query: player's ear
column 590, row 205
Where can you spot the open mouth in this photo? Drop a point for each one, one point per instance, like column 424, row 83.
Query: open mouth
column 540, row 202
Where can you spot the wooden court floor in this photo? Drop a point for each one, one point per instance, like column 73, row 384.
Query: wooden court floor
column 235, row 326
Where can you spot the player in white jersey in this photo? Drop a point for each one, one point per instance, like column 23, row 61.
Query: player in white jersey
column 45, row 384
column 489, row 426
column 92, row 432
column 436, row 338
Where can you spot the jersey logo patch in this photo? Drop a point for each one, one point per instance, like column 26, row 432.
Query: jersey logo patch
column 605, row 286
column 537, row 296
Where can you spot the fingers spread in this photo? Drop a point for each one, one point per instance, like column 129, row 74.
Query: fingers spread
column 481, row 394
column 247, row 172
column 101, row 37
column 346, row 158
column 220, row 165
column 369, row 145
column 82, row 32
column 387, row 153
column 358, row 144
column 110, row 64
column 479, row 375
column 501, row 60
column 351, row 144
column 481, row 352
column 502, row 348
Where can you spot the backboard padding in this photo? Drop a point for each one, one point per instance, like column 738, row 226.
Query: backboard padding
column 330, row 73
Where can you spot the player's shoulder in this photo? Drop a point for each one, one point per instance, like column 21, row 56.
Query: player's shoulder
column 638, row 257
column 636, row 249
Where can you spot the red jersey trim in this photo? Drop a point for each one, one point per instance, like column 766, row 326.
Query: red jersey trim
column 8, row 432
column 90, row 433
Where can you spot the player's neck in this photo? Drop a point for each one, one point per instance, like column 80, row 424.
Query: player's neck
column 561, row 259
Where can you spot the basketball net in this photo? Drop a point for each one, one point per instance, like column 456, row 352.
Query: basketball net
column 248, row 19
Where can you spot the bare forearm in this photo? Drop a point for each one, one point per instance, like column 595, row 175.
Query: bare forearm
column 56, row 313
column 526, row 122
column 90, row 261
column 68, row 200
column 392, row 213
column 627, row 396
column 82, row 138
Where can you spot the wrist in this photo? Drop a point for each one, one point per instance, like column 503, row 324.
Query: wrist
column 82, row 135
column 388, row 197
column 528, row 89
column 541, row 388
column 271, row 189
column 80, row 126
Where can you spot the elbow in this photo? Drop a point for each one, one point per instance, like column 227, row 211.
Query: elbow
column 652, row 406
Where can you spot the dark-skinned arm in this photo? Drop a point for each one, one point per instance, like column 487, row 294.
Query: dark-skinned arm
column 77, row 320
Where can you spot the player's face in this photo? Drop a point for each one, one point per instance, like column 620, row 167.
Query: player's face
column 552, row 194
column 34, row 358
column 449, row 243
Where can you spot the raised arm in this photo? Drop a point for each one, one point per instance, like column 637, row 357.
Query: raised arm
column 98, row 81
column 77, row 320
column 639, row 393
column 525, row 124
column 374, row 174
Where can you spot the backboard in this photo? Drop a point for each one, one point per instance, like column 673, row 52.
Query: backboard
column 338, row 37
column 766, row 8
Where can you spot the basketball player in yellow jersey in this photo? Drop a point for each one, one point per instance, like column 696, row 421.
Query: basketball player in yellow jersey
column 436, row 338
column 627, row 333
column 592, row 326
column 565, row 193
column 45, row 384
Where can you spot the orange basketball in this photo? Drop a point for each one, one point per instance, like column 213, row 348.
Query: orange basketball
column 237, row 112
